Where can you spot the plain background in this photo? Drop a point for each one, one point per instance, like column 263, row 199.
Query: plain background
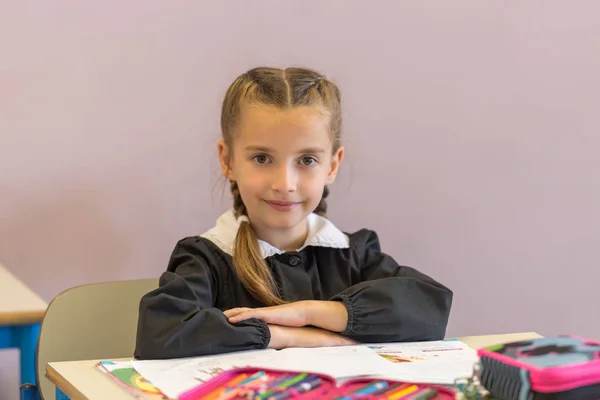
column 471, row 129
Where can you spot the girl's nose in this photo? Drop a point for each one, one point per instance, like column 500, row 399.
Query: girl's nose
column 285, row 179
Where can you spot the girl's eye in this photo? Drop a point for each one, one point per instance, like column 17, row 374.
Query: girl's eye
column 260, row 159
column 308, row 161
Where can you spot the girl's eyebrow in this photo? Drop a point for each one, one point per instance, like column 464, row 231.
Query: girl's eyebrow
column 259, row 148
column 311, row 150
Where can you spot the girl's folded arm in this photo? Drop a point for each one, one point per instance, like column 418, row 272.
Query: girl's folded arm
column 393, row 302
column 178, row 319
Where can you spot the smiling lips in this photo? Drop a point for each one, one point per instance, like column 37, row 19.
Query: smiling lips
column 282, row 205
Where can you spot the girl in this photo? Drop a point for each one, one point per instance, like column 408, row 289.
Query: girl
column 274, row 272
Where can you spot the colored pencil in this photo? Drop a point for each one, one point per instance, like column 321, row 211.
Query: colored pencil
column 425, row 394
column 301, row 387
column 232, row 394
column 226, row 388
column 281, row 379
column 370, row 388
column 402, row 392
column 282, row 385
column 237, row 380
column 292, row 381
column 390, row 389
column 252, row 378
column 241, row 387
column 307, row 385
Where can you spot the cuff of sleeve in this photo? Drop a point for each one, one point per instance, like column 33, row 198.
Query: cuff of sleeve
column 265, row 333
column 350, row 325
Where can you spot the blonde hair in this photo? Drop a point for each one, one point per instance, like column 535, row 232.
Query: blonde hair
column 282, row 88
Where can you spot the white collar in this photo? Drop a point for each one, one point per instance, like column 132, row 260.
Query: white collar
column 321, row 233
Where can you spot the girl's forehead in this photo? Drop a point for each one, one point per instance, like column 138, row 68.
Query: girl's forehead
column 269, row 126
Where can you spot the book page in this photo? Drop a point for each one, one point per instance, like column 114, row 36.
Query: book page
column 437, row 362
column 340, row 363
column 176, row 376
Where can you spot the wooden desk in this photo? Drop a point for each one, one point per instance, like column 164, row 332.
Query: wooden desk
column 21, row 312
column 80, row 380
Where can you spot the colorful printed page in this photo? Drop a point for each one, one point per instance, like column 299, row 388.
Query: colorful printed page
column 123, row 373
column 437, row 362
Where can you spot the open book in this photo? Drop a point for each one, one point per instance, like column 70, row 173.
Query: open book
column 439, row 362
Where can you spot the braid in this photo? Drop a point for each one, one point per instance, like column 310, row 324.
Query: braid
column 238, row 204
column 248, row 263
column 322, row 206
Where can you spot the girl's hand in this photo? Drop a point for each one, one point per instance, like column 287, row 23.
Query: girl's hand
column 329, row 315
column 292, row 314
column 285, row 336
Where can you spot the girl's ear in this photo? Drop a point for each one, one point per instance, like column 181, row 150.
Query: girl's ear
column 224, row 159
column 336, row 160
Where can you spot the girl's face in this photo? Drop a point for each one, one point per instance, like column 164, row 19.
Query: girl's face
column 281, row 161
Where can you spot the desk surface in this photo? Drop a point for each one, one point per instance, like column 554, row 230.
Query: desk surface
column 18, row 304
column 81, row 380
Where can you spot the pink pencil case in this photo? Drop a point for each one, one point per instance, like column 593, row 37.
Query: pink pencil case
column 556, row 368
column 269, row 384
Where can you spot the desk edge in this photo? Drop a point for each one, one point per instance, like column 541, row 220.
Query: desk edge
column 64, row 385
column 21, row 317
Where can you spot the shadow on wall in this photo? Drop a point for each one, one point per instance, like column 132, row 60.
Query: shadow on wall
column 61, row 236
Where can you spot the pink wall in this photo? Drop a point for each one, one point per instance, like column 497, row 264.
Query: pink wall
column 472, row 133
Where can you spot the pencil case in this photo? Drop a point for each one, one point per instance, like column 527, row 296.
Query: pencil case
column 270, row 384
column 564, row 367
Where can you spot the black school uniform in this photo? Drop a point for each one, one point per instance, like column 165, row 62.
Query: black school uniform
column 385, row 302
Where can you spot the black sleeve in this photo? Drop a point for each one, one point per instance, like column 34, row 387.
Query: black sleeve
column 179, row 318
column 392, row 303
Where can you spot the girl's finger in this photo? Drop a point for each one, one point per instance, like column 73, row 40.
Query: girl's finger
column 244, row 316
column 235, row 311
